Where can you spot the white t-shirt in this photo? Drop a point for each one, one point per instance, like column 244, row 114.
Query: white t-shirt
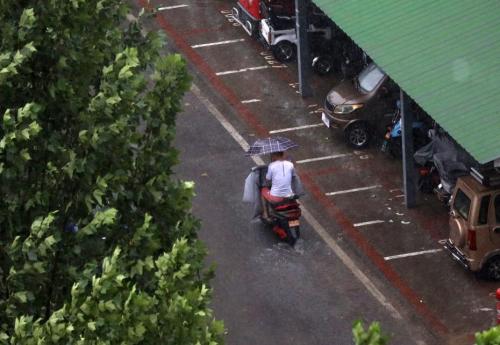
column 280, row 174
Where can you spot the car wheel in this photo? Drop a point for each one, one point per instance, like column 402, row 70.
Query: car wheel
column 357, row 135
column 284, row 51
column 491, row 269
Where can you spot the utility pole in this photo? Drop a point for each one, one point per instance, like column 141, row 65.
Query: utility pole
column 409, row 181
column 303, row 54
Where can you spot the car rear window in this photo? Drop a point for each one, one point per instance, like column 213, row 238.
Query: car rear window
column 462, row 204
column 370, row 77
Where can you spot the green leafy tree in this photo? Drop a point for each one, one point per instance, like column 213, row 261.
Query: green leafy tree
column 371, row 336
column 489, row 337
column 97, row 244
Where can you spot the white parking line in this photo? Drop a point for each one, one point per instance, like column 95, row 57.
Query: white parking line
column 217, row 43
column 170, row 7
column 318, row 228
column 296, row 128
column 371, row 222
column 251, row 100
column 353, row 190
column 243, row 70
column 303, row 161
column 400, row 256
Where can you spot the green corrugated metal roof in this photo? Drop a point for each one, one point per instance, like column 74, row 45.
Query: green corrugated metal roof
column 444, row 53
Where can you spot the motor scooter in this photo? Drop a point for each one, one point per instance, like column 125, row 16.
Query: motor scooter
column 323, row 52
column 441, row 162
column 392, row 143
column 279, row 33
column 283, row 213
column 249, row 13
column 352, row 58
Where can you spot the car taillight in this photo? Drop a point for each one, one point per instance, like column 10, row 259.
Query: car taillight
column 471, row 239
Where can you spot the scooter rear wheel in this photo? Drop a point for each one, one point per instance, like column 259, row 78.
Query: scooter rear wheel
column 323, row 65
column 293, row 234
column 284, row 51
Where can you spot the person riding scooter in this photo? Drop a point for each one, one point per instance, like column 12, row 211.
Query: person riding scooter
column 275, row 188
column 279, row 175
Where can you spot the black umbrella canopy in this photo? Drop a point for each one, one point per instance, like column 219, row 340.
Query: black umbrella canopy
column 270, row 145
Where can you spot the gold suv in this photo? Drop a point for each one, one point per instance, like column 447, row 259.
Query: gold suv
column 474, row 238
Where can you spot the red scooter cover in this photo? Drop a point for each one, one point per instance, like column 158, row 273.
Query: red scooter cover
column 252, row 7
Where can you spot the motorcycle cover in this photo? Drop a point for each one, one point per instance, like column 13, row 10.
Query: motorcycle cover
column 251, row 192
column 450, row 161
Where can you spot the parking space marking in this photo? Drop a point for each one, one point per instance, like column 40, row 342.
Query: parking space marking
column 250, row 101
column 340, row 155
column 217, row 43
column 371, row 222
column 243, row 70
column 406, row 255
column 166, row 8
column 296, row 128
column 353, row 190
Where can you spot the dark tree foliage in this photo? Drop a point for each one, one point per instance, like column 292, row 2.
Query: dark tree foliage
column 97, row 244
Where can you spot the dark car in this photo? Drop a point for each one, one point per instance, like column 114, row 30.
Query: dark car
column 358, row 106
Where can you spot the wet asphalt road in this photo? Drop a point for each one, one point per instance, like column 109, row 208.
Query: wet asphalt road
column 265, row 293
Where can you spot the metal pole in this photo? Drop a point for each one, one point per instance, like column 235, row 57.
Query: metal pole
column 303, row 54
column 409, row 181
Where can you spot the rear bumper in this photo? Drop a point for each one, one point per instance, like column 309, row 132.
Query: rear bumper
column 457, row 255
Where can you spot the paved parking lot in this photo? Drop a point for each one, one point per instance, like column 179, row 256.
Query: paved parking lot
column 355, row 195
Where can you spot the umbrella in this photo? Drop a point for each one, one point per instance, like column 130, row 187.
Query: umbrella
column 270, row 145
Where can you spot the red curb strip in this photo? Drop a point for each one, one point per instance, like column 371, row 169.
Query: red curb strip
column 376, row 258
column 336, row 213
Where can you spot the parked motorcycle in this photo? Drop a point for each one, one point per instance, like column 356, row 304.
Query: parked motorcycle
column 279, row 33
column 442, row 158
column 324, row 55
column 284, row 213
column 353, row 59
column 392, row 143
column 249, row 13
